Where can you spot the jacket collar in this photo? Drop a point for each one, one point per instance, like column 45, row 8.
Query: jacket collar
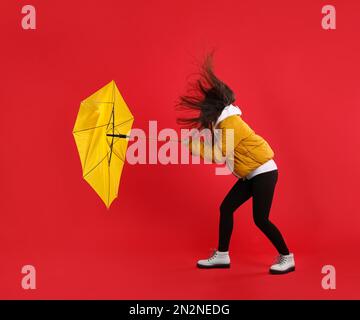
column 228, row 111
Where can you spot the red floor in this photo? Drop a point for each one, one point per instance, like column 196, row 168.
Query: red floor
column 157, row 274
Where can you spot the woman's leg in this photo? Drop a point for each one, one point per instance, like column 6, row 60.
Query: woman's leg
column 263, row 186
column 238, row 194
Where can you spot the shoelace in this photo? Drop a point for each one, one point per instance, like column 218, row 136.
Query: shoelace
column 213, row 254
column 281, row 259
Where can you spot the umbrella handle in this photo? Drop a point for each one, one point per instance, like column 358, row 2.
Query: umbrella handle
column 118, row 135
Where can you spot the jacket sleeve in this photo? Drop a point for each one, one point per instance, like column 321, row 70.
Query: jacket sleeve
column 234, row 129
column 207, row 151
column 230, row 132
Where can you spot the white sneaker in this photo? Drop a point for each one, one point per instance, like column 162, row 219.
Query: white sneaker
column 283, row 264
column 217, row 260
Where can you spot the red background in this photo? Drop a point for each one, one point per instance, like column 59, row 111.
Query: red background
column 297, row 86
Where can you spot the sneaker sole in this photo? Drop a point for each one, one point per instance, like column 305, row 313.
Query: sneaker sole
column 282, row 272
column 214, row 266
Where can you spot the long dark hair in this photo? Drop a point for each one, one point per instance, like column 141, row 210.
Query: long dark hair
column 207, row 96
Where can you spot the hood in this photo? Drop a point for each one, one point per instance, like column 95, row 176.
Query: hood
column 228, row 111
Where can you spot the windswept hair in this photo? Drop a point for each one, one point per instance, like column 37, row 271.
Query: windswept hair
column 207, row 97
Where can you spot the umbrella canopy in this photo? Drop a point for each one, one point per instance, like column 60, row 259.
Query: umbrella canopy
column 102, row 127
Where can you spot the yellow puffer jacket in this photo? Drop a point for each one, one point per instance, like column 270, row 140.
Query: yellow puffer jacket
column 250, row 149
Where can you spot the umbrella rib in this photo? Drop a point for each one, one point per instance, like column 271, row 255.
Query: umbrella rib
column 112, row 140
column 122, row 160
column 118, row 125
column 122, row 123
column 115, row 152
column 108, row 186
column 91, row 128
column 87, row 153
column 104, row 125
column 100, row 161
column 113, row 122
column 92, row 169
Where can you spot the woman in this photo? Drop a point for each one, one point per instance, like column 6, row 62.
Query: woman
column 253, row 165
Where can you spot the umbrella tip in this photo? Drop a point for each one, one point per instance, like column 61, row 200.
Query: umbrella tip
column 113, row 83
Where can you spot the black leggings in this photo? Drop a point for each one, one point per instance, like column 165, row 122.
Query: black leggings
column 261, row 187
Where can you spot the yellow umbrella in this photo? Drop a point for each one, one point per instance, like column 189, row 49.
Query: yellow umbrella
column 101, row 133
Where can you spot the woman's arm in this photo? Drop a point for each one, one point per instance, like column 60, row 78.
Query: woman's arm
column 229, row 134
column 207, row 151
